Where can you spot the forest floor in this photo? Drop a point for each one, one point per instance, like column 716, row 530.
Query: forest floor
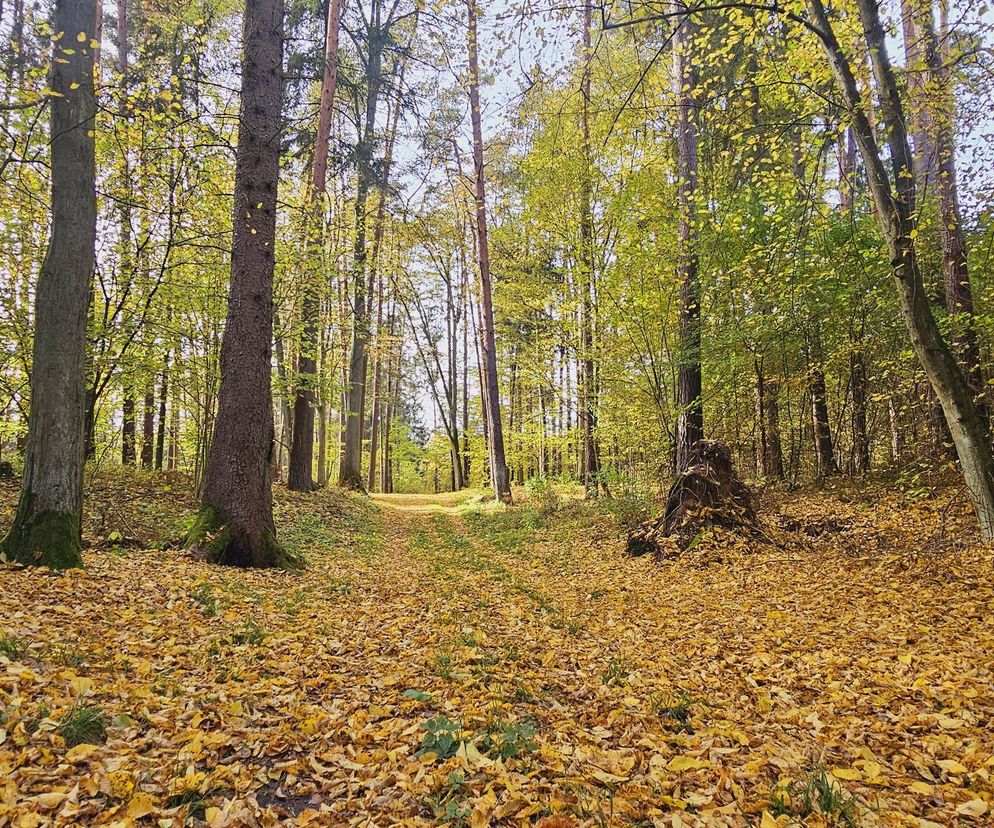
column 445, row 661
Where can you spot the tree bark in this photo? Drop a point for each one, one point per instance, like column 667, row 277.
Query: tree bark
column 47, row 525
column 128, row 429
column 690, row 420
column 148, row 430
column 500, row 477
column 235, row 524
column 300, row 472
column 820, row 425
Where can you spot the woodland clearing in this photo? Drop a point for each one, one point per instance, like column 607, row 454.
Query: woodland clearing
column 444, row 660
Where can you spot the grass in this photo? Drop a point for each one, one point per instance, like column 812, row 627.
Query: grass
column 13, row 646
column 817, row 793
column 83, row 726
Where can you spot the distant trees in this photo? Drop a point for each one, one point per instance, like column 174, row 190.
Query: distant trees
column 47, row 526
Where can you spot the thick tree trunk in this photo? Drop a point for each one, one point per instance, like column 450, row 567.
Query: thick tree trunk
column 690, row 421
column 300, row 472
column 896, row 213
column 47, row 525
column 235, row 524
column 500, row 477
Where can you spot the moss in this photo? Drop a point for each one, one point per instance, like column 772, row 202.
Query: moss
column 49, row 538
column 223, row 544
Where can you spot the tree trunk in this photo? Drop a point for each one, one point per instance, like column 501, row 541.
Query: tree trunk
column 820, row 425
column 587, row 411
column 300, row 471
column 148, row 429
column 350, row 472
column 160, row 437
column 47, row 525
column 896, row 213
column 690, row 421
column 858, row 391
column 236, row 517
column 128, row 429
column 775, row 470
column 500, row 477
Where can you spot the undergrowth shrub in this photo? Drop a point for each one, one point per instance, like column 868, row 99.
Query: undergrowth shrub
column 542, row 494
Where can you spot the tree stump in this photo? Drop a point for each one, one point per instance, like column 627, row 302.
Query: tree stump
column 707, row 493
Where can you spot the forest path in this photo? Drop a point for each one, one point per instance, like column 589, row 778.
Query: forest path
column 448, row 660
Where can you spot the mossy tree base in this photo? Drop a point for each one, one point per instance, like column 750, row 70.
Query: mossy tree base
column 48, row 538
column 224, row 544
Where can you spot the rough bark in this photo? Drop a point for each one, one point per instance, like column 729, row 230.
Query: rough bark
column 690, row 421
column 300, row 472
column 499, row 473
column 160, row 437
column 707, row 493
column 235, row 525
column 47, row 525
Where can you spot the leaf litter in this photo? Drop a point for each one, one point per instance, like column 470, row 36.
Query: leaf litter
column 442, row 661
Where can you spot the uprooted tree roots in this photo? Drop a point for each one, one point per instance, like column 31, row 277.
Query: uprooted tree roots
column 706, row 494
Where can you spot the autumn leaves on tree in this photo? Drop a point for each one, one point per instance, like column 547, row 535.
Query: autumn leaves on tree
column 438, row 277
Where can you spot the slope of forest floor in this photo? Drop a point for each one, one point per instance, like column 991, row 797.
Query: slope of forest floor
column 445, row 661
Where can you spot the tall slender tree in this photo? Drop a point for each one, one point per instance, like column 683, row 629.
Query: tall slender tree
column 690, row 421
column 235, row 524
column 300, row 475
column 499, row 474
column 47, row 525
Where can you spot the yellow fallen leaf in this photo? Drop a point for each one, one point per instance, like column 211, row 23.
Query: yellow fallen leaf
column 80, row 752
column 683, row 763
column 920, row 787
column 81, row 686
column 140, row 805
column 904, row 658
column 48, row 801
column 951, row 766
column 471, row 758
column 849, row 774
column 973, row 808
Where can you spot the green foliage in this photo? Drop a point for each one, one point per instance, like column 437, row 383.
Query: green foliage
column 442, row 737
column 542, row 495
column 83, row 725
column 13, row 646
column 203, row 594
column 818, row 793
column 509, row 740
